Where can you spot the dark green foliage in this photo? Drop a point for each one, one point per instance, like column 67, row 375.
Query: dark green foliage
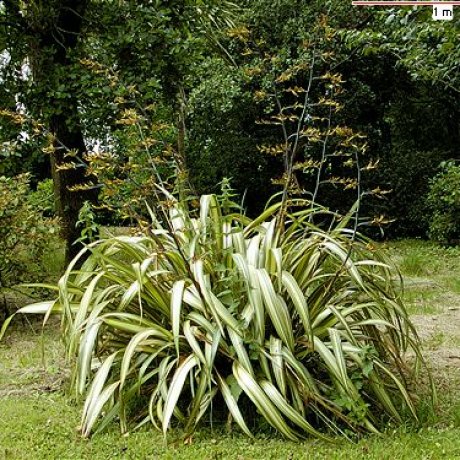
column 407, row 107
column 444, row 205
column 223, row 135
column 416, row 100
column 225, row 110
column 42, row 198
column 87, row 62
column 423, row 129
column 407, row 174
column 400, row 86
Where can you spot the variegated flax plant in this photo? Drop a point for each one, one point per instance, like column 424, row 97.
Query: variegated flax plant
column 216, row 316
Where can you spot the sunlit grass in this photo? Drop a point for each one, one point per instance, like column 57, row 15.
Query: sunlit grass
column 421, row 301
column 44, row 428
column 454, row 284
column 414, row 264
column 431, row 274
column 23, row 361
column 426, row 259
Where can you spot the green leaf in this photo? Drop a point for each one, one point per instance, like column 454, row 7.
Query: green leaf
column 175, row 389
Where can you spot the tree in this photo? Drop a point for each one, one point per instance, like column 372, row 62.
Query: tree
column 421, row 107
column 62, row 42
column 48, row 44
column 395, row 97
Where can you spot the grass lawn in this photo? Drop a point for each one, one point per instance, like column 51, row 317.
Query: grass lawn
column 39, row 421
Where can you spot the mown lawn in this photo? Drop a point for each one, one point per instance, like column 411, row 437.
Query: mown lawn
column 39, row 421
column 43, row 426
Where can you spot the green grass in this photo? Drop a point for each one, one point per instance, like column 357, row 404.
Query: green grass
column 24, row 367
column 414, row 264
column 431, row 274
column 420, row 301
column 54, row 259
column 44, row 428
column 418, row 258
column 436, row 341
column 39, row 421
column 454, row 284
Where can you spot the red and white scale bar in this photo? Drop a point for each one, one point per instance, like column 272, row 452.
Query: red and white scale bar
column 404, row 3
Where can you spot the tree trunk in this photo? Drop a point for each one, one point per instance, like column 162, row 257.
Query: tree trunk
column 55, row 48
column 68, row 203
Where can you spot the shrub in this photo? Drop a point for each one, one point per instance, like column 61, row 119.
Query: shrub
column 303, row 325
column 407, row 172
column 444, row 203
column 24, row 232
column 42, row 198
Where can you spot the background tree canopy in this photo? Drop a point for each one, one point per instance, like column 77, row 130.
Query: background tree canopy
column 74, row 73
column 401, row 89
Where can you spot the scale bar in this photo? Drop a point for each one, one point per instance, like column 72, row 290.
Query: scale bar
column 403, row 3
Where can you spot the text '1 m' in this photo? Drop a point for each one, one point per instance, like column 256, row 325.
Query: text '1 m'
column 442, row 11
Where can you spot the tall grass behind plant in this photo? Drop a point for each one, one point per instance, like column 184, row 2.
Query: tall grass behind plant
column 305, row 326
